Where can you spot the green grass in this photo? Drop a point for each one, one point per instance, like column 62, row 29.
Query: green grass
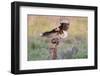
column 38, row 49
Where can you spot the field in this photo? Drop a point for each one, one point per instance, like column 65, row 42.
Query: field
column 75, row 46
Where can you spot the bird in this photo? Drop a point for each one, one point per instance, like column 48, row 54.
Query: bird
column 55, row 36
column 60, row 31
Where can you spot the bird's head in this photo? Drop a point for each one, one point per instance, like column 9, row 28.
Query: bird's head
column 64, row 25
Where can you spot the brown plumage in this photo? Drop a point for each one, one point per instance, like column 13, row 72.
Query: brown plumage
column 58, row 31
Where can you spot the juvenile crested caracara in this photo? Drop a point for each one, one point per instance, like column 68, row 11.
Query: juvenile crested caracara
column 61, row 31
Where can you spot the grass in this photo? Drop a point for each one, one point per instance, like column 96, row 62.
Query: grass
column 37, row 49
column 73, row 47
column 70, row 49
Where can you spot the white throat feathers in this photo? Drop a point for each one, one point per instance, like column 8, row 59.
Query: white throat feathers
column 64, row 35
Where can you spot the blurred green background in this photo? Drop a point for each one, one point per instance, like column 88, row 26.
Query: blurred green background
column 75, row 46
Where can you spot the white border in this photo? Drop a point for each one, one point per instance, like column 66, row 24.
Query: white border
column 26, row 65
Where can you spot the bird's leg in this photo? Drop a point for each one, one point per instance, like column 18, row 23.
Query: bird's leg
column 53, row 50
column 53, row 53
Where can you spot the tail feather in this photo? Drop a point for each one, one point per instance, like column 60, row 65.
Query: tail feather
column 45, row 34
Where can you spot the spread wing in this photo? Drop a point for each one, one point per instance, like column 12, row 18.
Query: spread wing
column 49, row 33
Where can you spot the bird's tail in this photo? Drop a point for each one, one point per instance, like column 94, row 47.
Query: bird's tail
column 45, row 34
